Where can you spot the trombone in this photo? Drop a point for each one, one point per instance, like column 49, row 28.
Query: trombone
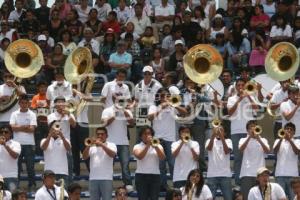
column 250, row 87
column 281, row 133
column 175, row 100
column 155, row 142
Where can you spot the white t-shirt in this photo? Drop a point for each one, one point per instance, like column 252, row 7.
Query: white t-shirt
column 204, row 195
column 218, row 161
column 7, row 195
column 288, row 106
column 9, row 165
column 145, row 94
column 253, row 156
column 83, row 14
column 287, row 157
column 5, row 90
column 242, row 114
column 56, row 156
column 64, row 122
column 54, row 90
column 184, row 161
column 150, row 163
column 117, row 130
column 276, row 31
column 42, row 193
column 103, row 11
column 111, row 88
column 164, row 123
column 277, row 193
column 82, row 117
column 279, row 96
column 164, row 11
column 101, row 165
column 23, row 118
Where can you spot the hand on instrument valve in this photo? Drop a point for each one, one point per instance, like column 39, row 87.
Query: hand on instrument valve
column 98, row 142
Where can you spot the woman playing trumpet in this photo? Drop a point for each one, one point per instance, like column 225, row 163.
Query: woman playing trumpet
column 148, row 154
column 287, row 150
column 186, row 153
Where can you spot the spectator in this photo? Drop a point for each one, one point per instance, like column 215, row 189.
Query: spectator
column 83, row 10
column 269, row 8
column 189, row 29
column 182, row 7
column 112, row 22
column 200, row 18
column 147, row 8
column 129, row 28
column 4, row 44
column 56, row 25
column 282, row 9
column 164, row 14
column 18, row 14
column 295, row 184
column 7, row 32
column 173, row 194
column 168, row 43
column 29, row 22
column 42, row 13
column 260, row 19
column 107, row 47
column 296, row 31
column 209, row 8
column 74, row 25
column 158, row 64
column 88, row 38
column 281, row 31
column 140, row 22
column 219, row 44
column 66, row 42
column 4, row 11
column 148, row 40
column 63, row 7
column 176, row 59
column 103, row 9
column 5, row 194
column 123, row 12
column 19, row 195
column 217, row 26
column 94, row 23
column 121, row 193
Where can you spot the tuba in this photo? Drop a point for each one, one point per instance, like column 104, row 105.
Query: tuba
column 23, row 58
column 282, row 61
column 78, row 66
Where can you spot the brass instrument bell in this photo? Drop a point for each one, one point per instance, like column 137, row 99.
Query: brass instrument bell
column 89, row 142
column 250, row 87
column 216, row 123
column 175, row 100
column 186, row 138
column 155, row 142
column 56, row 126
column 257, row 130
column 281, row 133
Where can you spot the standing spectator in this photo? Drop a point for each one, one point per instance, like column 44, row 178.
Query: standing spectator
column 42, row 13
column 253, row 147
column 140, row 22
column 23, row 123
column 66, row 42
column 56, row 25
column 9, row 153
column 74, row 25
column 112, row 22
column 147, row 175
column 89, row 39
column 18, row 14
column 103, row 9
column 281, row 31
column 94, row 23
column 83, row 10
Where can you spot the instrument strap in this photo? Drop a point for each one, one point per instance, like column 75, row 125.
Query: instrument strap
column 52, row 196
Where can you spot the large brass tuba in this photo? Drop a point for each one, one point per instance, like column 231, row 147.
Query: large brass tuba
column 282, row 61
column 23, row 58
column 77, row 68
column 203, row 63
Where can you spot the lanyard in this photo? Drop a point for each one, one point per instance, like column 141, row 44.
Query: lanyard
column 52, row 196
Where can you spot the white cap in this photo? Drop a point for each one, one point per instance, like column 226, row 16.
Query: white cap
column 262, row 170
column 218, row 16
column 148, row 69
column 42, row 38
column 178, row 42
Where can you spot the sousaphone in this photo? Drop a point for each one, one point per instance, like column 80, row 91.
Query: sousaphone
column 23, row 58
column 282, row 61
column 77, row 69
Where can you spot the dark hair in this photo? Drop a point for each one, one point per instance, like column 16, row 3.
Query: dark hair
column 239, row 80
column 294, row 27
column 40, row 83
column 295, row 180
column 138, row 5
column 128, row 36
column 283, row 26
column 113, row 13
column 119, row 189
column 74, row 186
column 59, row 98
column 144, row 128
column 293, row 88
column 5, row 40
column 75, row 13
column 290, row 125
column 201, row 10
column 176, row 28
column 93, row 9
column 23, row 97
column 178, row 17
column 227, row 71
column 250, row 122
column 260, row 7
column 158, row 93
column 173, row 76
column 181, row 128
column 101, row 129
column 121, row 71
column 7, row 126
column 17, row 193
column 171, row 192
column 199, row 185
column 66, row 31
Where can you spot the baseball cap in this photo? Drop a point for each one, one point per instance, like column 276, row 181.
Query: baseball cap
column 48, row 173
column 178, row 42
column 148, row 69
column 262, row 170
column 41, row 38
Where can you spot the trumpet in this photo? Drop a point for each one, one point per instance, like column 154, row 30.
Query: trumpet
column 250, row 87
column 175, row 100
column 89, row 142
column 216, row 123
column 257, row 130
column 155, row 142
column 281, row 133
column 56, row 126
column 186, row 138
column 71, row 106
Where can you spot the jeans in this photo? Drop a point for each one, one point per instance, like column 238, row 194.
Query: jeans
column 78, row 135
column 198, row 131
column 285, row 183
column 41, row 132
column 11, row 184
column 247, row 182
column 238, row 156
column 124, row 156
column 70, row 166
column 179, row 184
column 224, row 183
column 100, row 189
column 147, row 186
column 162, row 163
column 27, row 152
column 4, row 124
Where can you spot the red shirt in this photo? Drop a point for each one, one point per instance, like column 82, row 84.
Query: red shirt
column 113, row 25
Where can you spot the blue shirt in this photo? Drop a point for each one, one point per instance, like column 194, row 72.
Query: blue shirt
column 124, row 58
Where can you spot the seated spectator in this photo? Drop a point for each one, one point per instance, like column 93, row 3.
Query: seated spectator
column 130, row 29
column 7, row 32
column 219, row 44
column 74, row 25
column 3, row 46
column 103, row 9
column 237, row 25
column 29, row 22
column 164, row 14
column 269, row 7
column 283, row 9
column 147, row 8
column 66, row 42
column 94, row 23
column 176, row 60
column 106, row 49
column 120, row 60
column 42, row 13
column 5, row 194
column 218, row 26
column 148, row 39
column 296, row 31
column 260, row 19
column 83, row 10
column 140, row 22
column 182, row 8
column 56, row 25
column 18, row 14
column 112, row 23
column 63, row 7
column 168, row 43
column 4, row 11
column 295, row 184
column 42, row 42
column 200, row 18
column 158, row 64
column 123, row 12
column 209, row 8
column 88, row 38
column 189, row 29
column 281, row 31
column 166, row 31
column 50, row 40
column 177, row 21
column 173, row 194
column 244, row 16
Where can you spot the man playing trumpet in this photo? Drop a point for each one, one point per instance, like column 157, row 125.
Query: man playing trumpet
column 287, row 150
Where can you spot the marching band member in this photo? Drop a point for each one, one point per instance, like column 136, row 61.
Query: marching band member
column 295, row 185
column 290, row 111
column 169, row 81
column 74, row 190
column 162, row 116
column 147, row 174
column 186, row 154
column 240, row 109
column 253, row 148
column 4, row 194
column 218, row 171
column 49, row 190
column 7, row 90
column 40, row 104
column 23, row 123
column 195, row 188
column 265, row 190
column 121, row 193
column 287, row 150
column 278, row 97
column 19, row 195
column 9, row 153
column 115, row 119
column 101, row 153
column 55, row 147
column 173, row 194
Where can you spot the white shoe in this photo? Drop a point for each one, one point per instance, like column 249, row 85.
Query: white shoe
column 129, row 188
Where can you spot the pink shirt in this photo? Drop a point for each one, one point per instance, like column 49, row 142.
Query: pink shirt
column 261, row 18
